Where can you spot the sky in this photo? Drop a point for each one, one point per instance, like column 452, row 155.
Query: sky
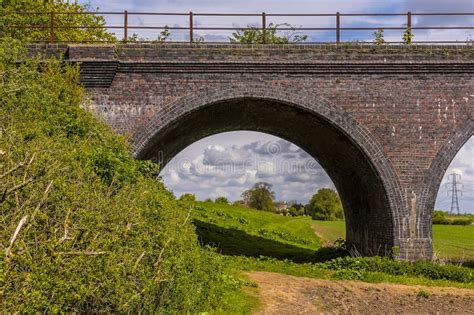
column 226, row 164
column 284, row 6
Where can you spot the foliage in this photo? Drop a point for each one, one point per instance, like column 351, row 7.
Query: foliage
column 379, row 37
column 188, row 197
column 424, row 294
column 254, row 35
column 260, row 197
column 162, row 37
column 84, row 227
column 222, row 200
column 93, row 22
column 442, row 217
column 294, row 211
column 326, row 205
column 386, row 265
column 408, row 36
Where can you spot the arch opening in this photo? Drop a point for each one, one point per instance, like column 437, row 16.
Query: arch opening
column 454, row 206
column 370, row 218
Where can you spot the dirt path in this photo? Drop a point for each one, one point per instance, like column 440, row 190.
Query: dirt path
column 282, row 294
column 317, row 231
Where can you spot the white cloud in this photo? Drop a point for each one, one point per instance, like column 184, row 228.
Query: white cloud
column 250, row 157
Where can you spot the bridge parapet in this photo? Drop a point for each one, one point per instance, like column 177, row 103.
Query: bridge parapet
column 100, row 63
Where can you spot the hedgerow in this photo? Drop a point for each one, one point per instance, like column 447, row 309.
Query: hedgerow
column 83, row 226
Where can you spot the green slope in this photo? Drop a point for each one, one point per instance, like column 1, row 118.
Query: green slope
column 241, row 231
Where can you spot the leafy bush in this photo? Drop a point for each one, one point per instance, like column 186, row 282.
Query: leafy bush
column 84, row 227
column 188, row 198
column 222, row 200
column 440, row 217
column 254, row 35
column 425, row 269
column 461, row 221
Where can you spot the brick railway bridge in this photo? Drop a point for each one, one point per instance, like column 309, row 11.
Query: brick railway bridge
column 384, row 121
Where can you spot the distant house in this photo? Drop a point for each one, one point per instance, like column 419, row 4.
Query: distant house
column 281, row 207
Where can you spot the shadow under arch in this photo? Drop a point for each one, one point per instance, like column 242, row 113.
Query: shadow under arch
column 368, row 186
column 434, row 176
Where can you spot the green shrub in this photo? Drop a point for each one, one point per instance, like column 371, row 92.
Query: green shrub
column 189, row 198
column 461, row 221
column 347, row 274
column 425, row 269
column 440, row 217
column 84, row 227
column 222, row 200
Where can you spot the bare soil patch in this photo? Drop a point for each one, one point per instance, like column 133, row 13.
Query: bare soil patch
column 283, row 294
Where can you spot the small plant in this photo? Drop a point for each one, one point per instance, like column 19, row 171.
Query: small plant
column 242, row 220
column 255, row 35
column 379, row 37
column 408, row 36
column 164, row 34
column 395, row 251
column 424, row 294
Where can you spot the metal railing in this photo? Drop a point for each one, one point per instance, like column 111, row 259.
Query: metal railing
column 190, row 28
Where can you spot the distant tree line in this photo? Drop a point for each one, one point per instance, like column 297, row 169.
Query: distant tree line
column 324, row 205
column 443, row 217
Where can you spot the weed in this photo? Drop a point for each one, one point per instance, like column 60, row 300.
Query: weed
column 423, row 294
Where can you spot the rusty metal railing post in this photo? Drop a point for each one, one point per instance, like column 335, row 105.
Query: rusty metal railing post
column 51, row 27
column 191, row 28
column 264, row 28
column 409, row 20
column 338, row 28
column 125, row 26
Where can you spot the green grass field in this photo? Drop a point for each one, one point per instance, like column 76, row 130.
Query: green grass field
column 240, row 231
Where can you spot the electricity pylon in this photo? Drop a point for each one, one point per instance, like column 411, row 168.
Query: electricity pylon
column 454, row 190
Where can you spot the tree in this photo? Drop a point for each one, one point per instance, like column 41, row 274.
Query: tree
column 87, row 27
column 222, row 200
column 293, row 211
column 326, row 205
column 260, row 197
column 254, row 35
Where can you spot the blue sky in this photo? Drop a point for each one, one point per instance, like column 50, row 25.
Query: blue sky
column 280, row 6
column 294, row 174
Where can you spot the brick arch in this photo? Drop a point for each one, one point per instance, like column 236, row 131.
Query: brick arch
column 144, row 140
column 435, row 174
